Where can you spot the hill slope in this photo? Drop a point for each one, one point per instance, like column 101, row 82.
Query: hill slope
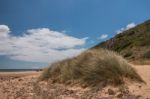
column 133, row 44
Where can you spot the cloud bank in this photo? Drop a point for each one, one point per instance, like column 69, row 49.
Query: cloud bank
column 103, row 36
column 129, row 26
column 39, row 45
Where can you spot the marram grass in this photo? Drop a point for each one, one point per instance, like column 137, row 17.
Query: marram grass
column 91, row 68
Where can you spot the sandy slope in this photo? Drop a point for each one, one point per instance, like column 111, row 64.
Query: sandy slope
column 25, row 86
column 142, row 89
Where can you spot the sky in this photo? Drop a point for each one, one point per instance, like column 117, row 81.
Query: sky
column 36, row 33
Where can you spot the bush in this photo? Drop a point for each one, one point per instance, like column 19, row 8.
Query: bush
column 147, row 55
column 92, row 67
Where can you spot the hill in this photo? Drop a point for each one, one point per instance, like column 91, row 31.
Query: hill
column 133, row 44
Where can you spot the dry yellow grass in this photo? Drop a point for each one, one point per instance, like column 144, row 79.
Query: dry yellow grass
column 92, row 67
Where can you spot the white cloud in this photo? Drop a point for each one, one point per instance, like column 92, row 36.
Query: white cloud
column 39, row 45
column 103, row 36
column 4, row 30
column 129, row 26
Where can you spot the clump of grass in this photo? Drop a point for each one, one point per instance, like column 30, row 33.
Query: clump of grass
column 92, row 67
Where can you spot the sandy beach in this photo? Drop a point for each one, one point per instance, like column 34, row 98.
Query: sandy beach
column 24, row 85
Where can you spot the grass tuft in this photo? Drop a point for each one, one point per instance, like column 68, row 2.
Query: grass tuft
column 92, row 67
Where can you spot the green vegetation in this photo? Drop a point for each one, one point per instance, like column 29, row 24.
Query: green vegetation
column 147, row 55
column 91, row 68
column 133, row 44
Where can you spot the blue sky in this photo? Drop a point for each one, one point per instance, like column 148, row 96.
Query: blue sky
column 82, row 23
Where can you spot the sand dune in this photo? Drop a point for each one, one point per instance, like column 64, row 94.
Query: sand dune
column 24, row 85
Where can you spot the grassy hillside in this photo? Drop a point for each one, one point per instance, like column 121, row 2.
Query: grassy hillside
column 91, row 68
column 133, row 44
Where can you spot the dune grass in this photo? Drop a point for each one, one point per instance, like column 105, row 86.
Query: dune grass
column 91, row 68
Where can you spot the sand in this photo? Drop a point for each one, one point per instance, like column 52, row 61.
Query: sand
column 142, row 89
column 24, row 85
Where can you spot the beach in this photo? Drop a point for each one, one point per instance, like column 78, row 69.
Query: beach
column 25, row 85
